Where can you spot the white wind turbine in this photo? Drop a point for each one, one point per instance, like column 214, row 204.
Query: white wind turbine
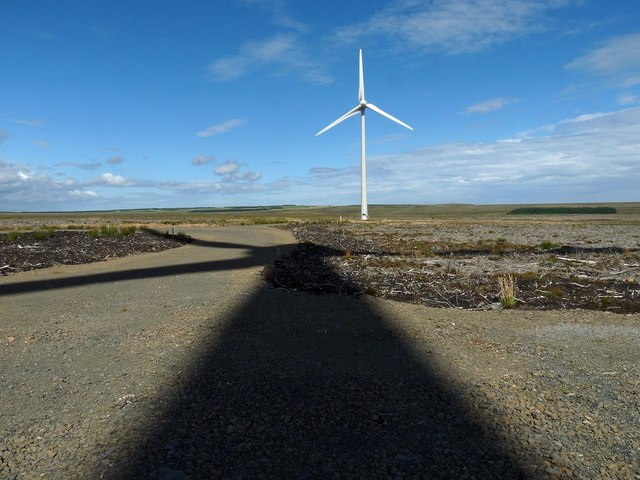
column 360, row 108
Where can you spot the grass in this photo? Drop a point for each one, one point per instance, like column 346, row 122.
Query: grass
column 528, row 276
column 10, row 236
column 112, row 231
column 548, row 245
column 507, row 291
column 128, row 230
column 606, row 302
column 42, row 233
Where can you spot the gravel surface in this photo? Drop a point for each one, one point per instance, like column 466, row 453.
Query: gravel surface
column 201, row 370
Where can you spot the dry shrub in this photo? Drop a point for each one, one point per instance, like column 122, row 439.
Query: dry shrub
column 507, row 291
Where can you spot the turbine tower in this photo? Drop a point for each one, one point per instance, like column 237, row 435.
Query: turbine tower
column 361, row 108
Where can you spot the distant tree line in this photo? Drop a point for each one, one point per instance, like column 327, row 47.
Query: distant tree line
column 562, row 211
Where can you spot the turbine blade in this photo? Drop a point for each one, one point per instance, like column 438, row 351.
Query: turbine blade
column 385, row 114
column 350, row 113
column 361, row 84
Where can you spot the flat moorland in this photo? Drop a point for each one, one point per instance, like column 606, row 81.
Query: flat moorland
column 452, row 256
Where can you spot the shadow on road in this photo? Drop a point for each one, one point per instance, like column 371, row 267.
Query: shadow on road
column 253, row 256
column 310, row 387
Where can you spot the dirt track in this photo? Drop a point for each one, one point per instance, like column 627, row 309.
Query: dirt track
column 183, row 364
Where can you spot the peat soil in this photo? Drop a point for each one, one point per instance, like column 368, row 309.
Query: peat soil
column 24, row 251
column 555, row 265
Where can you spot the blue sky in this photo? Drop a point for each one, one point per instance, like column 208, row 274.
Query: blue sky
column 107, row 105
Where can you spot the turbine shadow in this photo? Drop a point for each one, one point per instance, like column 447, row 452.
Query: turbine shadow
column 253, row 256
column 306, row 386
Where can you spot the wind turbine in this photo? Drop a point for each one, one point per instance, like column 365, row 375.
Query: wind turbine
column 361, row 108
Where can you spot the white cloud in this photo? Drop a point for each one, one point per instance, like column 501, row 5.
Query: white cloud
column 230, row 171
column 202, row 159
column 111, row 180
column 227, row 168
column 617, row 60
column 250, row 176
column 23, row 189
column 487, row 106
column 42, row 143
column 3, row 135
column 83, row 193
column 285, row 52
column 455, row 26
column 220, row 128
column 115, row 160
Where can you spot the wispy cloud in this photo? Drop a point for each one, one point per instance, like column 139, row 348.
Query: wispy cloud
column 593, row 157
column 230, row 171
column 617, row 60
column 3, row 136
column 277, row 9
column 83, row 193
column 42, row 143
column 227, row 168
column 487, row 106
column 111, row 180
column 220, row 128
column 81, row 166
column 115, row 160
column 283, row 52
column 455, row 26
column 22, row 188
column 627, row 99
column 202, row 159
column 324, row 170
column 36, row 122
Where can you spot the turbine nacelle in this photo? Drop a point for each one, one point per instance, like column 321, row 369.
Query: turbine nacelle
column 362, row 106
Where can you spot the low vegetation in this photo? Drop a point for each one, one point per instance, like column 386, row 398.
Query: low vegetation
column 10, row 236
column 507, row 287
column 112, row 231
column 42, row 233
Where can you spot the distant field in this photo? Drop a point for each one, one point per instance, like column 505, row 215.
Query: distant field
column 563, row 211
column 291, row 213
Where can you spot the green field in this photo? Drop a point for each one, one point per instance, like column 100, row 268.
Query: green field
column 626, row 212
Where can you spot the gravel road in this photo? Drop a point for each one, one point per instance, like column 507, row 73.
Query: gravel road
column 184, row 364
